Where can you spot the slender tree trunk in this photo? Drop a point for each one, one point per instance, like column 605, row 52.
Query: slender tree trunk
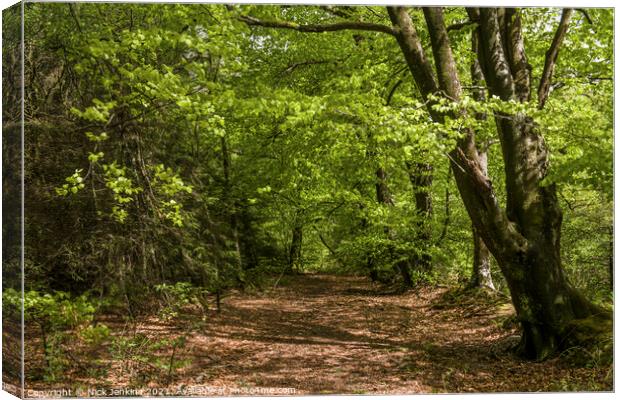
column 238, row 219
column 611, row 258
column 421, row 178
column 385, row 197
column 294, row 259
column 481, row 271
column 246, row 237
column 229, row 203
column 383, row 193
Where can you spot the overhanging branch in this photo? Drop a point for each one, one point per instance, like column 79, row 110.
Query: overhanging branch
column 585, row 14
column 460, row 25
column 317, row 28
column 551, row 57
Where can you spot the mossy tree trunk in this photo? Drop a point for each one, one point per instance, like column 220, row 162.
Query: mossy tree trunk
column 524, row 238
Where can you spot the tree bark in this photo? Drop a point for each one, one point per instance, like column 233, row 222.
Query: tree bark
column 230, row 210
column 481, row 272
column 421, row 178
column 525, row 239
column 528, row 248
column 294, row 259
column 481, row 268
column 246, row 236
column 385, row 197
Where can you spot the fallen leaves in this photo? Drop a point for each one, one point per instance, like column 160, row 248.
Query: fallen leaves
column 323, row 334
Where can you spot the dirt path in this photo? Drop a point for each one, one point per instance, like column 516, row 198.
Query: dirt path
column 322, row 334
column 327, row 334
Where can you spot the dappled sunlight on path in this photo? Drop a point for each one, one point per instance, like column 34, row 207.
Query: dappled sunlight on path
column 328, row 334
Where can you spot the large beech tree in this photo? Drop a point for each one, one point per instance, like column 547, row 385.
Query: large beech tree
column 524, row 237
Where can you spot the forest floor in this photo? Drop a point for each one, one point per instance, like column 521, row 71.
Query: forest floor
column 324, row 334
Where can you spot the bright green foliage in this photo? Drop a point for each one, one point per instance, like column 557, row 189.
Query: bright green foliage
column 74, row 183
column 193, row 119
column 172, row 150
column 179, row 295
column 61, row 321
column 99, row 112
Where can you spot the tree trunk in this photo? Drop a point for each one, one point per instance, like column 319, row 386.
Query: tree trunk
column 230, row 204
column 384, row 197
column 246, row 237
column 525, row 239
column 421, row 178
column 383, row 193
column 481, row 271
column 294, row 259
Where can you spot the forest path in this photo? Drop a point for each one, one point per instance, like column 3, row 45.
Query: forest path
column 322, row 334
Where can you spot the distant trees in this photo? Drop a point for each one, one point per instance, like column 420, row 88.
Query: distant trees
column 215, row 145
column 524, row 238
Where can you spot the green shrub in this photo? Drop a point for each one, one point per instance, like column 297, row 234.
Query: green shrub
column 146, row 358
column 60, row 320
column 173, row 298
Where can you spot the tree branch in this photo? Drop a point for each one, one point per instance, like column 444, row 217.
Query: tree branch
column 551, row 57
column 444, row 60
column 294, row 66
column 493, row 59
column 75, row 18
column 391, row 94
column 585, row 14
column 317, row 28
column 411, row 46
column 515, row 54
column 330, row 248
column 460, row 25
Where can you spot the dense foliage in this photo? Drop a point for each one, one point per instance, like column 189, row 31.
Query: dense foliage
column 175, row 152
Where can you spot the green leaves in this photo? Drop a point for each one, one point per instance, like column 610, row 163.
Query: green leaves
column 122, row 189
column 100, row 112
column 94, row 157
column 97, row 138
column 56, row 310
column 74, row 183
column 201, row 133
column 169, row 184
column 579, row 133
